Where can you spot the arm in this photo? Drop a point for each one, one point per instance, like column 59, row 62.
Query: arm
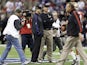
column 35, row 24
column 81, row 37
column 17, row 24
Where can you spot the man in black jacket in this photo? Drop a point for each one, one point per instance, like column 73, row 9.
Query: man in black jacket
column 37, row 28
column 74, row 29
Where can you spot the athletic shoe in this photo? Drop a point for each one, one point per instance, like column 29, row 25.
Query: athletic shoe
column 26, row 62
column 3, row 63
column 74, row 62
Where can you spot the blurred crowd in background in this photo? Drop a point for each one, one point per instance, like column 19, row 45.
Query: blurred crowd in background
column 59, row 5
column 8, row 7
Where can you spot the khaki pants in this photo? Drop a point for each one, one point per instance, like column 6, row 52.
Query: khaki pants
column 71, row 42
column 48, row 39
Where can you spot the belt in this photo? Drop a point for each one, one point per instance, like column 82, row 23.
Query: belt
column 55, row 28
column 48, row 29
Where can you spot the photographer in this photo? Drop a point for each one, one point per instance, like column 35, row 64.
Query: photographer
column 26, row 31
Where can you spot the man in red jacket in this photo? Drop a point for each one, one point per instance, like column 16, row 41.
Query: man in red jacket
column 26, row 31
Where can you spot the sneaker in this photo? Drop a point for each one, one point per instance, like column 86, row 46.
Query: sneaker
column 2, row 63
column 26, row 62
column 40, row 61
column 74, row 62
column 50, row 61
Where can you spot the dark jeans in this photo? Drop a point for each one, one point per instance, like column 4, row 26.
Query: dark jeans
column 27, row 40
column 57, row 42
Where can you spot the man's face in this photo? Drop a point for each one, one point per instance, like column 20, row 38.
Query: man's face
column 19, row 14
column 68, row 8
column 39, row 11
column 45, row 9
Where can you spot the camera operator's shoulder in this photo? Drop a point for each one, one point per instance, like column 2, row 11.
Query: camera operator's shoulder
column 13, row 17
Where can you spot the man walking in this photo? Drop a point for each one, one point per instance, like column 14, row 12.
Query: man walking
column 12, row 34
column 74, row 38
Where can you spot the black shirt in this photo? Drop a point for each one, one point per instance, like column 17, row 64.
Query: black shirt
column 47, row 20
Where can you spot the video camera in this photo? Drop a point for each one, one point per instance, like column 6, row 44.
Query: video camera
column 26, row 13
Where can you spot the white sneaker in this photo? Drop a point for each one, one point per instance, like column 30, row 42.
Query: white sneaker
column 3, row 63
column 26, row 62
column 40, row 61
column 74, row 62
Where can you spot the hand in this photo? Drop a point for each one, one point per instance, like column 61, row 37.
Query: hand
column 81, row 37
column 22, row 23
column 40, row 34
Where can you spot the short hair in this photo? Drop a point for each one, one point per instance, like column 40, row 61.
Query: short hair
column 72, row 6
column 18, row 11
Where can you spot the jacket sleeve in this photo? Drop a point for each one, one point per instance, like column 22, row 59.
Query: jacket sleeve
column 17, row 24
column 34, row 24
column 78, row 21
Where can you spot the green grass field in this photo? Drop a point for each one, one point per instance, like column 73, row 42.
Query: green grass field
column 13, row 54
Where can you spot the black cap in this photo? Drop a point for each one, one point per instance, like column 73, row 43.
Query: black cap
column 39, row 6
column 26, row 13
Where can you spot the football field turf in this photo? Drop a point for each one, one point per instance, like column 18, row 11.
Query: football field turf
column 13, row 58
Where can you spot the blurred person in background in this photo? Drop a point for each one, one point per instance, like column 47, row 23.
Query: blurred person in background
column 81, row 5
column 10, row 6
column 56, row 30
column 2, row 3
column 18, row 4
column 85, row 29
column 63, row 31
column 28, row 4
column 3, row 23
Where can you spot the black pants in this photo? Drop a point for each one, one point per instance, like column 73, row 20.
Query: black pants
column 36, row 48
column 27, row 40
column 57, row 42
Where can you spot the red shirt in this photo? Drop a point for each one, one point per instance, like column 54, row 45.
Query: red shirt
column 27, row 28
